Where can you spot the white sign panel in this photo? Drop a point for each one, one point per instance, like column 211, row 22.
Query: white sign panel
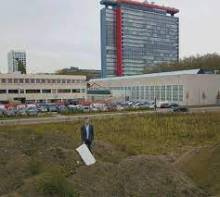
column 86, row 155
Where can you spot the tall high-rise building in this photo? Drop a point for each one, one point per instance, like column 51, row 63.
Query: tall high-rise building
column 14, row 59
column 135, row 35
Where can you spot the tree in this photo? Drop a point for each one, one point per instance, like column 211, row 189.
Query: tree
column 205, row 62
column 21, row 67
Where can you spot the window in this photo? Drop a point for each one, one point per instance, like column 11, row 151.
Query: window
column 64, row 91
column 63, row 81
column 33, row 91
column 32, row 80
column 181, row 93
column 3, row 80
column 43, row 81
column 152, row 96
column 175, row 93
column 13, row 91
column 147, row 93
column 37, row 80
column 21, row 80
column 157, row 92
column 3, row 91
column 129, row 91
column 83, row 90
column 21, row 91
column 142, row 92
column 46, row 91
column 16, row 80
column 133, row 93
column 27, row 80
column 137, row 93
column 10, row 81
column 169, row 93
column 75, row 90
column 162, row 93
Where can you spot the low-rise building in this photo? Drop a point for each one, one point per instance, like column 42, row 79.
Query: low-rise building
column 41, row 87
column 189, row 87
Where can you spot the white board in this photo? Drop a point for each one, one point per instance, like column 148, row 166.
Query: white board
column 86, row 155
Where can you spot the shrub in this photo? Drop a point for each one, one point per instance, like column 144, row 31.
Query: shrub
column 34, row 167
column 53, row 183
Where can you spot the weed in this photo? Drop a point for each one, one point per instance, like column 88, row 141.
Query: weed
column 53, row 183
column 34, row 167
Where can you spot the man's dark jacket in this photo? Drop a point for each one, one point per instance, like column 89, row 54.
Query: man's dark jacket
column 83, row 133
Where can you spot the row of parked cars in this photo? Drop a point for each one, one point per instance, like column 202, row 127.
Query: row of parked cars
column 28, row 110
column 36, row 109
column 173, row 107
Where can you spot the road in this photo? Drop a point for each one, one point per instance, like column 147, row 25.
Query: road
column 61, row 118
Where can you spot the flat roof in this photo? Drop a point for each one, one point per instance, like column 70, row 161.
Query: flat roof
column 50, row 76
column 168, row 10
column 162, row 74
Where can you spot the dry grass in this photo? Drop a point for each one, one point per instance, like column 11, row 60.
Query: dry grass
column 203, row 166
column 30, row 151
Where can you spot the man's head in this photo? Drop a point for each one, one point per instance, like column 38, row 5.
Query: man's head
column 87, row 121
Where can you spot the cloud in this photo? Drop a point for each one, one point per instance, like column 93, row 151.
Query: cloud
column 59, row 34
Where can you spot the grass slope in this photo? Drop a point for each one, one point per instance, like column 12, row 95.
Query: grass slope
column 31, row 155
column 203, row 166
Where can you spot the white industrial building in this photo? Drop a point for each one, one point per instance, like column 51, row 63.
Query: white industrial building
column 189, row 87
column 41, row 87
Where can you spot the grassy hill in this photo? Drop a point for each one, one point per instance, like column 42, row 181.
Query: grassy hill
column 203, row 166
column 135, row 157
column 206, row 62
column 89, row 73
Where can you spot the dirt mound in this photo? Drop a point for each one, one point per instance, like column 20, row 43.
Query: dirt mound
column 202, row 165
column 108, row 153
column 27, row 159
column 135, row 176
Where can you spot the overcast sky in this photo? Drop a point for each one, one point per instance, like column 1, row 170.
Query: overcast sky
column 64, row 33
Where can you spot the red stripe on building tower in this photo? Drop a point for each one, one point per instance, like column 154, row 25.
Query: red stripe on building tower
column 119, row 66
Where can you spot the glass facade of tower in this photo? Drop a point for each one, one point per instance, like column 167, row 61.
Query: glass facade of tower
column 13, row 58
column 134, row 36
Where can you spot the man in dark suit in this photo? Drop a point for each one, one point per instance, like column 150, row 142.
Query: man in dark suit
column 87, row 133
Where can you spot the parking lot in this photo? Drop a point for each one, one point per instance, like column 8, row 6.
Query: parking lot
column 43, row 109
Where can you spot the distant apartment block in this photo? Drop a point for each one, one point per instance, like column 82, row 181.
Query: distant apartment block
column 14, row 58
column 135, row 35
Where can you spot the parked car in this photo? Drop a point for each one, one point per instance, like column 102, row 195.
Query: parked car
column 32, row 111
column 145, row 105
column 2, row 106
column 42, row 109
column 120, row 107
column 173, row 105
column 180, row 109
column 136, row 105
column 22, row 112
column 152, row 105
column 2, row 112
column 165, row 105
column 85, row 108
column 62, row 108
column 94, row 109
column 10, row 112
column 52, row 108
